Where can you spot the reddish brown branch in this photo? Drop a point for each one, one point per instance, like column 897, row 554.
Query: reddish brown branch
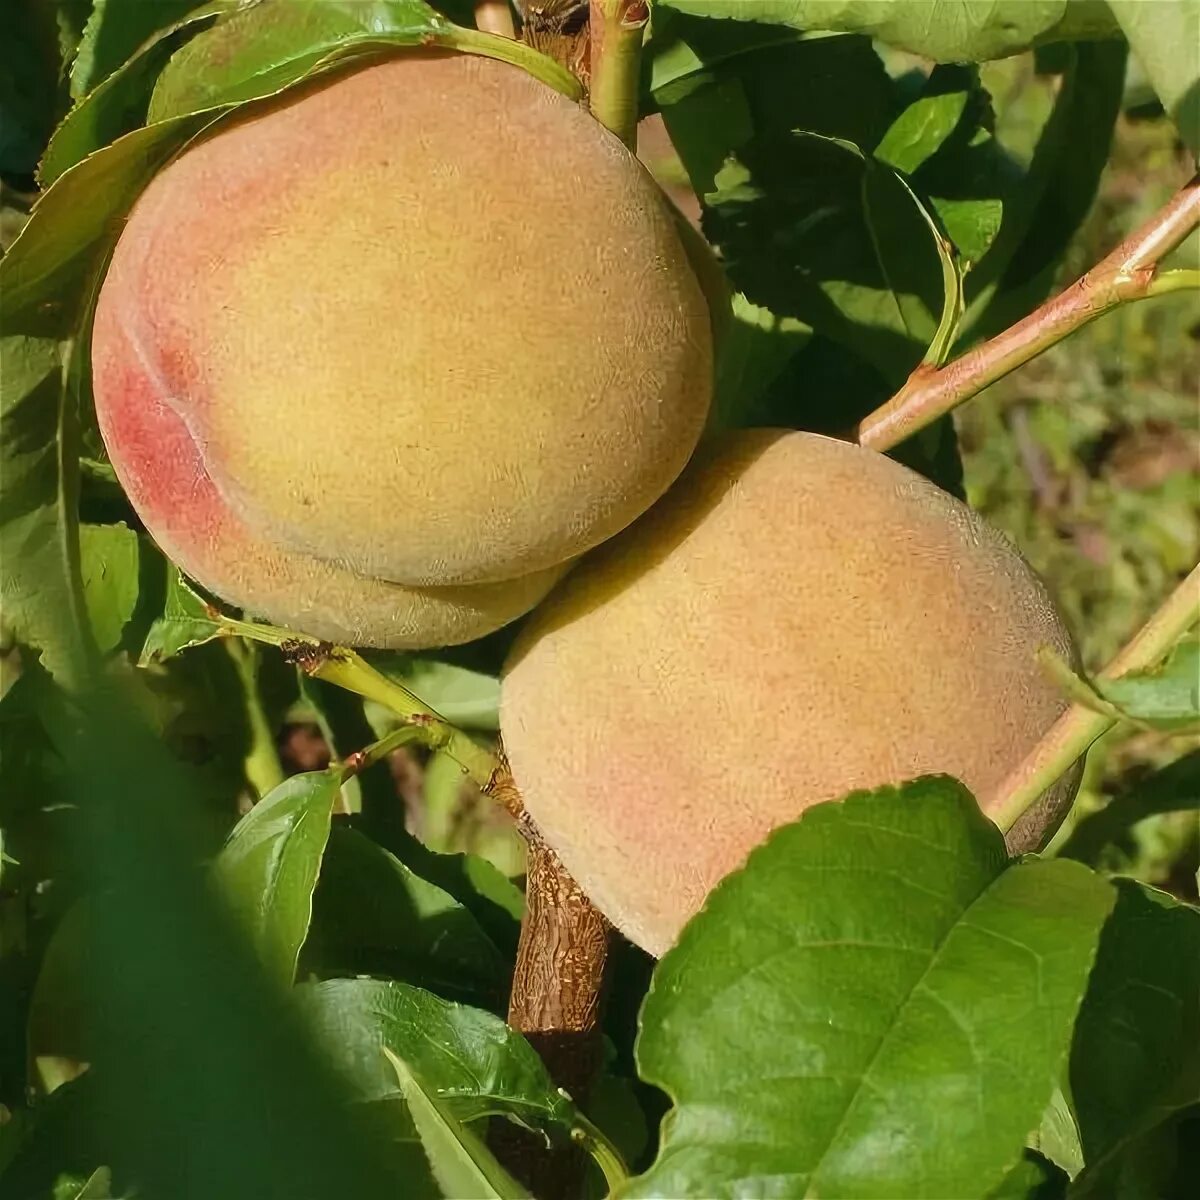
column 557, row 995
column 1128, row 273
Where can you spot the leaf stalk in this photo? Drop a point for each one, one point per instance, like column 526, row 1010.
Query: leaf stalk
column 1074, row 732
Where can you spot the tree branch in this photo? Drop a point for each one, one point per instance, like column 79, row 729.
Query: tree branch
column 1129, row 273
column 1075, row 731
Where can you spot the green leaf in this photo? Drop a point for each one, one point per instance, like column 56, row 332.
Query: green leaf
column 466, row 698
column 1165, row 697
column 210, row 1088
column 187, row 620
column 1135, row 1060
column 1175, row 788
column 1164, row 38
column 109, row 556
column 813, row 228
column 268, row 868
column 942, row 140
column 809, row 225
column 31, row 98
column 267, row 47
column 944, row 30
column 479, row 1066
column 876, row 1005
column 115, row 30
column 118, row 105
column 923, row 127
column 1057, row 1137
column 41, row 586
column 47, row 276
column 461, row 1162
column 372, row 915
column 1046, row 203
column 754, row 353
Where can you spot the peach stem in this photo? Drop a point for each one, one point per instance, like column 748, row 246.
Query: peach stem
column 618, row 27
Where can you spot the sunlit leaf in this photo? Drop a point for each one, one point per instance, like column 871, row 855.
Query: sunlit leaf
column 912, row 996
column 944, row 30
column 460, row 1159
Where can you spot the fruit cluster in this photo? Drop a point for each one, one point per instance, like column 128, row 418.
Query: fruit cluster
column 382, row 361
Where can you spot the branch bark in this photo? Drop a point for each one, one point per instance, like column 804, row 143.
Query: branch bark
column 1130, row 272
column 557, row 995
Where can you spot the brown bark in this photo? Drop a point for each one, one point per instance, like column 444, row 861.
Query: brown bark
column 556, row 999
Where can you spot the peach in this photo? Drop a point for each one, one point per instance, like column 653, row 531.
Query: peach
column 377, row 361
column 799, row 618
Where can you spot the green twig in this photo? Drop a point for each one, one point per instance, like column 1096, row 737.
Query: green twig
column 348, row 669
column 1129, row 273
column 360, row 760
column 1181, row 280
column 617, row 29
column 351, row 671
column 1074, row 732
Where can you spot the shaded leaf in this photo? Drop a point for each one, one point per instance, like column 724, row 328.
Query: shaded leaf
column 1046, row 204
column 187, row 620
column 1135, row 1059
column 460, row 1159
column 489, row 895
column 1033, row 1178
column 41, row 586
column 944, row 30
column 1173, row 789
column 478, row 1065
column 114, row 31
column 117, row 105
column 45, row 276
column 1164, row 37
column 208, row 1087
column 31, row 98
column 268, row 868
column 913, row 996
column 109, row 557
column 372, row 915
column 467, row 698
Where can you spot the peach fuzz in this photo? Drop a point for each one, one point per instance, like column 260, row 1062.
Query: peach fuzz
column 378, row 360
column 799, row 618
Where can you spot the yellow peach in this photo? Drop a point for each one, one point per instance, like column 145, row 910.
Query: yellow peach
column 398, row 347
column 797, row 619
